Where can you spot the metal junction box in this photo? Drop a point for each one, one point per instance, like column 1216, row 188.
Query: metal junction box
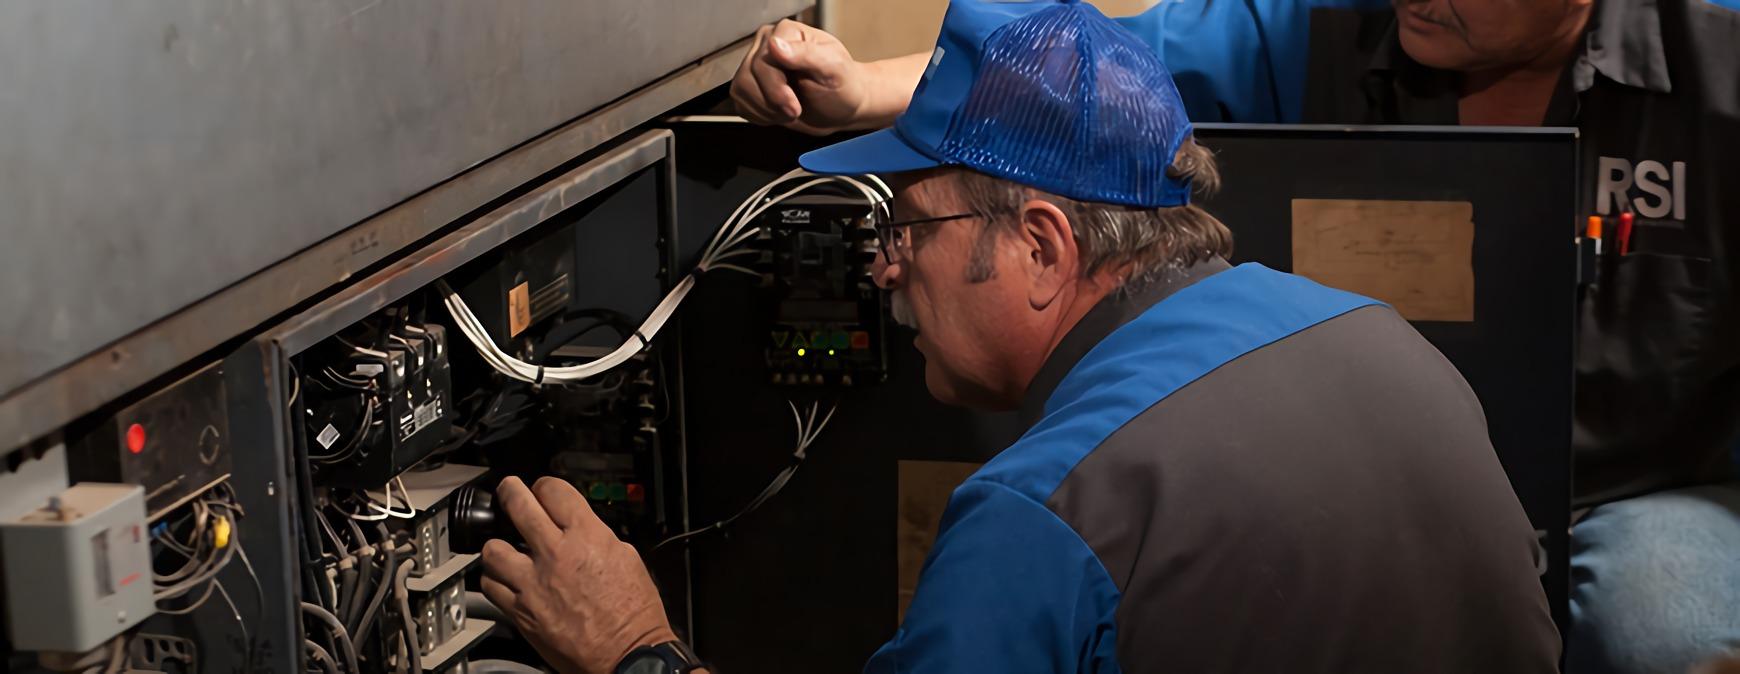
column 78, row 569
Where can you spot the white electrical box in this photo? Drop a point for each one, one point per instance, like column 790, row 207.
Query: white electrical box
column 78, row 568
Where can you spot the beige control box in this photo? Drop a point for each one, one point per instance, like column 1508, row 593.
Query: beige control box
column 78, row 568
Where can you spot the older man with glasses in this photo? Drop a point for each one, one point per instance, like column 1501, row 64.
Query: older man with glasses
column 1226, row 469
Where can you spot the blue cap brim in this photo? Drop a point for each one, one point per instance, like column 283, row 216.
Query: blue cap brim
column 880, row 152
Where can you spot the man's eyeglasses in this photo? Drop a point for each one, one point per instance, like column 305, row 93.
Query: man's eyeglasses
column 892, row 237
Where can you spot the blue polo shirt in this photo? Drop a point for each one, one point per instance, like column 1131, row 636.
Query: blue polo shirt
column 1238, row 61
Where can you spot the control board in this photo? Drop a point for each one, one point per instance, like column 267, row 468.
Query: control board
column 828, row 322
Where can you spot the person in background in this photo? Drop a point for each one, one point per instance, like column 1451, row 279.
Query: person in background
column 1654, row 87
column 1227, row 468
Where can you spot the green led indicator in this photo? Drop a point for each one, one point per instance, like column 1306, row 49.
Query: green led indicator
column 830, row 352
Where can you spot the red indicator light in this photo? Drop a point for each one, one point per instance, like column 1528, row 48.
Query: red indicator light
column 136, row 438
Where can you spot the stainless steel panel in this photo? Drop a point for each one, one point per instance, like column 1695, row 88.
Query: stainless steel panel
column 53, row 400
column 428, row 264
column 154, row 153
column 36, row 478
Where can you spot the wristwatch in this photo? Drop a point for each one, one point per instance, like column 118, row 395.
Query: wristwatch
column 671, row 657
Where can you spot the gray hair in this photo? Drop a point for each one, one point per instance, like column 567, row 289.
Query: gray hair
column 1144, row 242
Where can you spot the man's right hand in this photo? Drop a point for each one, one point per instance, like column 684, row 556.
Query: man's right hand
column 803, row 78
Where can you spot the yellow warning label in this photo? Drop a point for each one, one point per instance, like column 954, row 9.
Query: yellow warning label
column 519, row 309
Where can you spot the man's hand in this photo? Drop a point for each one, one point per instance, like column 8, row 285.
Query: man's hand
column 801, row 77
column 582, row 598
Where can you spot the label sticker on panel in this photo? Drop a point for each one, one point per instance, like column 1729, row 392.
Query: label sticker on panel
column 327, row 436
column 519, row 309
column 426, row 414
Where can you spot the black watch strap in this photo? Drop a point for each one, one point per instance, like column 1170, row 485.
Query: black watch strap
column 671, row 657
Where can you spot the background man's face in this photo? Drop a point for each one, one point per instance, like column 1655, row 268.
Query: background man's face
column 1473, row 35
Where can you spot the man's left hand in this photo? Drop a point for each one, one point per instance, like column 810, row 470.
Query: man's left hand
column 582, row 597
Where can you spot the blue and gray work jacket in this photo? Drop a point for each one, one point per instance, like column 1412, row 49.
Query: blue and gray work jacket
column 1233, row 469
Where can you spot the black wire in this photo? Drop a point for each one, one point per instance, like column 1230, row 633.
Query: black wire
column 596, row 325
column 308, row 546
column 383, row 332
column 356, row 439
column 773, row 488
column 247, row 637
column 602, row 317
column 664, row 394
column 320, row 656
column 342, row 381
column 365, row 579
column 413, row 648
column 465, row 436
column 621, row 322
column 347, row 648
column 367, row 623
column 422, row 311
column 259, row 597
column 347, row 580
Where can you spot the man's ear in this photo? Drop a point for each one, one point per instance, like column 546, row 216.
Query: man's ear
column 1051, row 259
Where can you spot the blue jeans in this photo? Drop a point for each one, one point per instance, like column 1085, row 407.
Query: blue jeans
column 1655, row 582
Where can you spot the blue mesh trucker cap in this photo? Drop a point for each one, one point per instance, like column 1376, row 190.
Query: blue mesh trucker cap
column 1050, row 94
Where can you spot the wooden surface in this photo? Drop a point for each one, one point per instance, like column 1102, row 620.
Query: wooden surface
column 876, row 29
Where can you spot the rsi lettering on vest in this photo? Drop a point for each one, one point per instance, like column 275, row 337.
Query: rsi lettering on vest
column 1663, row 190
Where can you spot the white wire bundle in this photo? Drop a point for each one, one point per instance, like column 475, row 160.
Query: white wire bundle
column 807, row 430
column 726, row 244
column 380, row 512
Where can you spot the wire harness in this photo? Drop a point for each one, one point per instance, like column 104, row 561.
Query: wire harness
column 807, row 430
column 727, row 244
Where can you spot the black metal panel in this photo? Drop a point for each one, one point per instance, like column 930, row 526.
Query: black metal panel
column 1517, row 353
column 808, row 582
column 258, row 397
column 175, row 443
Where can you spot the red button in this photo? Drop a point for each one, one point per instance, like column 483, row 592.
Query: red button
column 635, row 493
column 860, row 339
column 136, row 438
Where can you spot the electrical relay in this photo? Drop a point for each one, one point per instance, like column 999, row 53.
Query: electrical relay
column 828, row 326
column 377, row 404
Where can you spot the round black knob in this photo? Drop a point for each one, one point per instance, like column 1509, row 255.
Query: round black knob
column 475, row 518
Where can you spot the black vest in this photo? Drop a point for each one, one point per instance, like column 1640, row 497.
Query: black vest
column 1655, row 92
